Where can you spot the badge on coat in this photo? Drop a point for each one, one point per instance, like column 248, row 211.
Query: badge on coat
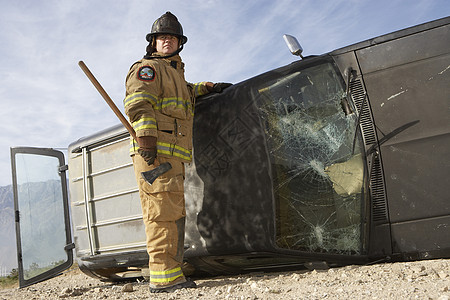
column 146, row 73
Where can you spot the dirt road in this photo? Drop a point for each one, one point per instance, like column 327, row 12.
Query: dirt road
column 413, row 280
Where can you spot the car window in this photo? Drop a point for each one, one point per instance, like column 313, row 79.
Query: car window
column 43, row 229
column 317, row 175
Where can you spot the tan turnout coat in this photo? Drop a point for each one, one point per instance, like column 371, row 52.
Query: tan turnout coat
column 160, row 103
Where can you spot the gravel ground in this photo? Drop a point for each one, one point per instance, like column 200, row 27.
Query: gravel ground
column 412, row 280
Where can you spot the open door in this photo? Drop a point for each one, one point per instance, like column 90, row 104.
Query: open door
column 44, row 241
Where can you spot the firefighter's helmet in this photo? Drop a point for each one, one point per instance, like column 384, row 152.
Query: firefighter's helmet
column 167, row 24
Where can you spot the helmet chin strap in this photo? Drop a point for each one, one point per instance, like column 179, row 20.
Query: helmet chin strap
column 149, row 56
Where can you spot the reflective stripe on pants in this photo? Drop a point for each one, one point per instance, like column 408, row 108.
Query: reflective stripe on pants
column 163, row 211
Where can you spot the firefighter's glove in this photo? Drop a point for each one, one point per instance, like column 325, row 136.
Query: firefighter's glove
column 147, row 148
column 217, row 87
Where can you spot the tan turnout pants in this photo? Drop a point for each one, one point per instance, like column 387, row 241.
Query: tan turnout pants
column 163, row 211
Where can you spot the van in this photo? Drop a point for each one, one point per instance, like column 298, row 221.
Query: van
column 336, row 159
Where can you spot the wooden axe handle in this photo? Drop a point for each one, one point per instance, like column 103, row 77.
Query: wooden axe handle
column 107, row 99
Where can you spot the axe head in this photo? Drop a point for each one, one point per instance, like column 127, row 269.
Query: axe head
column 150, row 176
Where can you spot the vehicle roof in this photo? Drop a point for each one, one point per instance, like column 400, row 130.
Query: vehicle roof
column 111, row 133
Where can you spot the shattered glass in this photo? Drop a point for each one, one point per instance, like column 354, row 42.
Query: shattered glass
column 317, row 175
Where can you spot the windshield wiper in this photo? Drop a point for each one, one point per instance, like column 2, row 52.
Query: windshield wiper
column 390, row 135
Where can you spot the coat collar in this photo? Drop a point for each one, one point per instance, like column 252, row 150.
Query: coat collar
column 175, row 61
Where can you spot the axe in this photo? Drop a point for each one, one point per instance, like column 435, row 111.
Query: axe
column 149, row 176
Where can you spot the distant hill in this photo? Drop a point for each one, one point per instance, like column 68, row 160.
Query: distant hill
column 39, row 198
column 8, row 256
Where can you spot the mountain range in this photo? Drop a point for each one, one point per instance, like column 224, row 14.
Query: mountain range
column 8, row 256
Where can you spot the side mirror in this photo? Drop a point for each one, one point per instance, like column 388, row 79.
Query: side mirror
column 293, row 45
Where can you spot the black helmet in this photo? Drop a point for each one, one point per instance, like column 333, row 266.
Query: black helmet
column 167, row 24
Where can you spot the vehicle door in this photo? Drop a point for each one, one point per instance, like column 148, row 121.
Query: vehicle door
column 43, row 234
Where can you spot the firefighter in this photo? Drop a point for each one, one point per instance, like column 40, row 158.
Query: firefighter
column 159, row 104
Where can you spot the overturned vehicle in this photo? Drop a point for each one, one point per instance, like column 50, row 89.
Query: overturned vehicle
column 336, row 159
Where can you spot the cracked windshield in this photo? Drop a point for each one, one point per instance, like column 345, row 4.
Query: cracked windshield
column 317, row 177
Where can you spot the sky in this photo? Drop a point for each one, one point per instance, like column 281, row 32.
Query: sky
column 47, row 101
